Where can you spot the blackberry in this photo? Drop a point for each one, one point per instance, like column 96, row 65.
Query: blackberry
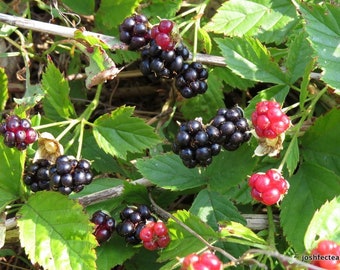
column 17, row 132
column 191, row 81
column 133, row 220
column 37, row 176
column 196, row 144
column 135, row 32
column 104, row 226
column 232, row 126
column 69, row 174
column 160, row 63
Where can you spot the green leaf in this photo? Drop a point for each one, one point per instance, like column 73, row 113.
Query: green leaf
column 33, row 94
column 56, row 233
column 319, row 142
column 167, row 171
column 325, row 224
column 236, row 232
column 293, row 157
column 248, row 58
column 270, row 21
column 323, row 28
column 183, row 242
column 206, row 105
column 6, row 198
column 204, row 41
column 84, row 7
column 11, row 168
column 236, row 172
column 212, row 207
column 309, row 188
column 119, row 133
column 163, row 9
column 299, row 56
column 57, row 92
column 277, row 92
column 114, row 252
column 2, row 229
column 4, row 88
column 111, row 13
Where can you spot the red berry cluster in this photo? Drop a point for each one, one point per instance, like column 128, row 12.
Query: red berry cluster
column 17, row 132
column 105, row 225
column 322, row 255
column 205, row 261
column 161, row 33
column 268, row 188
column 155, row 235
column 269, row 120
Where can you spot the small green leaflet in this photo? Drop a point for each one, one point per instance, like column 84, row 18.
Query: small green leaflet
column 212, row 207
column 323, row 28
column 4, row 88
column 237, row 233
column 270, row 21
column 56, row 233
column 250, row 59
column 167, row 171
column 57, row 92
column 119, row 133
column 325, row 224
column 293, row 157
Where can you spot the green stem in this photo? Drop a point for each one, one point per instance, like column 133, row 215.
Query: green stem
column 93, row 105
column 271, row 228
column 66, row 130
column 307, row 113
column 61, row 123
column 80, row 139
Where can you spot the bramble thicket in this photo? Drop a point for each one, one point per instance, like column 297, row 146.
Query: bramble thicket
column 169, row 134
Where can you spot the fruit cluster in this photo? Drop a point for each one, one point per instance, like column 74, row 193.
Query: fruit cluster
column 158, row 63
column 66, row 175
column 134, row 31
column 191, row 81
column 204, row 261
column 326, row 248
column 162, row 34
column 155, row 235
column 269, row 120
column 37, row 175
column 17, row 132
column 164, row 56
column 196, row 144
column 233, row 127
column 104, row 226
column 268, row 188
column 133, row 220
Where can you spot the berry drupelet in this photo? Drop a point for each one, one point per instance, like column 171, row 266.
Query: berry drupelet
column 104, row 226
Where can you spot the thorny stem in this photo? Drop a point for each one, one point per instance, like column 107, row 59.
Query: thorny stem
column 298, row 127
column 187, row 228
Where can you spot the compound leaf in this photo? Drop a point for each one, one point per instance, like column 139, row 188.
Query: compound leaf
column 56, row 233
column 167, row 171
column 119, row 133
column 325, row 224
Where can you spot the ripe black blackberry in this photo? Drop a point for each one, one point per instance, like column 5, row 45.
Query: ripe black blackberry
column 135, row 31
column 37, row 176
column 69, row 174
column 105, row 225
column 133, row 219
column 196, row 144
column 17, row 132
column 233, row 127
column 192, row 80
column 158, row 63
